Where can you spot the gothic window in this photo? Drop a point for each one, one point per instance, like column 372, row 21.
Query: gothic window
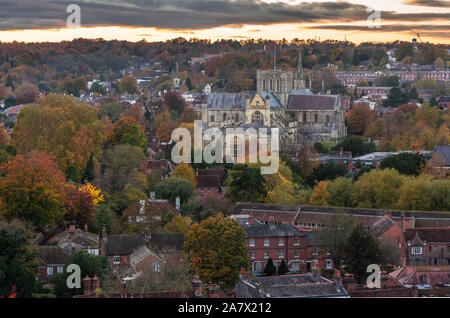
column 304, row 117
column 224, row 116
column 316, row 118
column 278, row 85
column 257, row 117
column 271, row 85
column 236, row 117
column 264, row 85
column 213, row 118
column 328, row 118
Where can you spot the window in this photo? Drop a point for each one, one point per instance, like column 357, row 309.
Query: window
column 296, row 242
column 213, row 118
column 116, row 259
column 224, row 116
column 278, row 85
column 296, row 254
column 266, row 243
column 280, row 254
column 266, row 254
column 252, row 255
column 264, row 85
column 304, row 118
column 271, row 85
column 202, row 190
column 257, row 117
column 328, row 252
column 316, row 118
column 416, row 250
column 280, row 242
column 328, row 118
column 60, row 269
column 49, row 271
column 329, row 264
column 251, row 243
column 315, row 251
column 236, row 117
column 156, row 267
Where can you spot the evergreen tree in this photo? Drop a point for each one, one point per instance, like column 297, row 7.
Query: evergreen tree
column 283, row 268
column 270, row 268
column 362, row 249
column 9, row 82
column 248, row 185
column 413, row 95
column 88, row 175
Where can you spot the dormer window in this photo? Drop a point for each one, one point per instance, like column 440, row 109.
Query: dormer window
column 415, row 250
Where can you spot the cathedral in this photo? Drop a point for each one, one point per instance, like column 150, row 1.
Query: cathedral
column 282, row 101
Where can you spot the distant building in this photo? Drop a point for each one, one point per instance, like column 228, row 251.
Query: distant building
column 52, row 260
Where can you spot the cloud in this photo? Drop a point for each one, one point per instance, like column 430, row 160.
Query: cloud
column 429, row 3
column 188, row 14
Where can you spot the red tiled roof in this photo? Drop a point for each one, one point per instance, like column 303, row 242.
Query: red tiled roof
column 441, row 235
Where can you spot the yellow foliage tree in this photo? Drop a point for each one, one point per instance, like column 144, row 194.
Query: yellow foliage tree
column 185, row 171
column 320, row 195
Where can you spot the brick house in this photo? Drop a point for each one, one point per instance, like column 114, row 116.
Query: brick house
column 74, row 239
column 428, row 246
column 52, row 260
column 209, row 183
column 444, row 103
column 316, row 256
column 278, row 242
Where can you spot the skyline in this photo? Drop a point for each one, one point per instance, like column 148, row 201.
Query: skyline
column 157, row 20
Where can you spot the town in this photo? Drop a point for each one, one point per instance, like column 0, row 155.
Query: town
column 88, row 175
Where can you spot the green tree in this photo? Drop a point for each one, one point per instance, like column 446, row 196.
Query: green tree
column 127, row 131
column 326, row 171
column 341, row 192
column 128, row 85
column 218, row 250
column 396, row 97
column 270, row 269
column 283, row 268
column 362, row 249
column 113, row 110
column 98, row 88
column 18, row 260
column 406, row 163
column 356, row 145
column 247, row 185
column 174, row 187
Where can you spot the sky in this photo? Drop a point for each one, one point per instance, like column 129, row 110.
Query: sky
column 159, row 20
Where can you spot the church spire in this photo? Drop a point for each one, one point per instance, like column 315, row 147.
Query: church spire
column 300, row 76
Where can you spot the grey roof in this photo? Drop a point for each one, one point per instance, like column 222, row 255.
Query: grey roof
column 305, row 91
column 444, row 152
column 290, row 286
column 382, row 225
column 52, row 255
column 124, row 244
column 160, row 242
column 312, row 102
column 274, row 102
column 272, row 230
column 228, row 100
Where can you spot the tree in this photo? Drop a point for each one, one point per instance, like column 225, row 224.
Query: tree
column 18, row 260
column 360, row 118
column 89, row 174
column 335, row 236
column 127, row 131
column 113, row 110
column 362, row 249
column 327, row 171
column 62, row 127
column 179, row 224
column 320, row 195
column 174, row 101
column 128, row 85
column 32, row 189
column 396, row 97
column 356, row 145
column 174, row 187
column 185, row 171
column 283, row 268
column 90, row 265
column 406, row 163
column 98, row 88
column 218, row 250
column 341, row 192
column 247, row 185
column 270, row 268
column 378, row 189
column 79, row 206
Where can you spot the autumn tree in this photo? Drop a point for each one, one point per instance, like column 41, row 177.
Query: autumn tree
column 112, row 109
column 79, row 206
column 378, row 189
column 174, row 187
column 218, row 250
column 183, row 170
column 127, row 131
column 360, row 118
column 174, row 101
column 32, row 189
column 341, row 192
column 179, row 224
column 320, row 195
column 128, row 85
column 62, row 127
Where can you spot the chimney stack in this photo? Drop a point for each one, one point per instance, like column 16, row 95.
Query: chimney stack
column 388, row 213
column 104, row 238
column 197, row 286
column 152, row 196
column 87, row 286
column 95, row 283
